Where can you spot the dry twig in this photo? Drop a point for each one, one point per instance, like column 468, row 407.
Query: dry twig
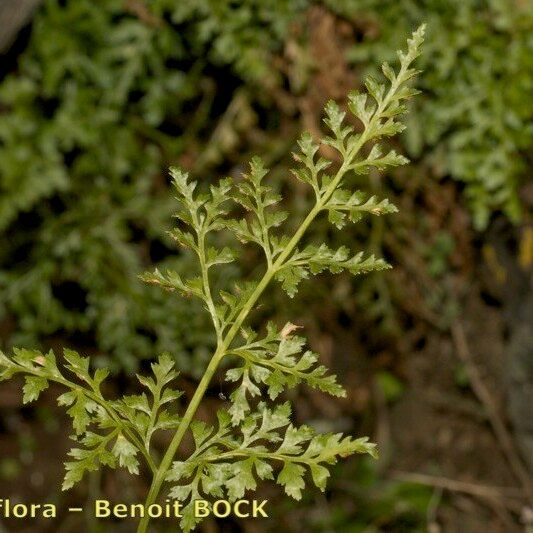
column 508, row 496
column 482, row 392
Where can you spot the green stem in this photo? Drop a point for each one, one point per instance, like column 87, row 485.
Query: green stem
column 164, row 466
column 272, row 364
column 206, row 284
column 153, row 416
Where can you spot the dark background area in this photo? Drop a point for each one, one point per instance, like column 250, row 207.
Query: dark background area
column 97, row 99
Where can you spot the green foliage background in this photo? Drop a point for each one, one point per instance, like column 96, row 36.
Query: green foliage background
column 105, row 96
column 100, row 98
column 99, row 105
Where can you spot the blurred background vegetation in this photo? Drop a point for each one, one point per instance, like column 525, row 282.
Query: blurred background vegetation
column 98, row 99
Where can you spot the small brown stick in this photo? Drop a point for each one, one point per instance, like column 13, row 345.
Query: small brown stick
column 502, row 433
column 142, row 12
column 503, row 494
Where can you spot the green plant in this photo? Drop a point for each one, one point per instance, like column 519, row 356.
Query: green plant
column 102, row 100
column 474, row 123
column 247, row 440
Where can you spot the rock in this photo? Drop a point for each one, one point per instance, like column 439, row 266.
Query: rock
column 14, row 15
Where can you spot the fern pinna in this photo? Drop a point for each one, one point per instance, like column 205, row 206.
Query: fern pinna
column 253, row 439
